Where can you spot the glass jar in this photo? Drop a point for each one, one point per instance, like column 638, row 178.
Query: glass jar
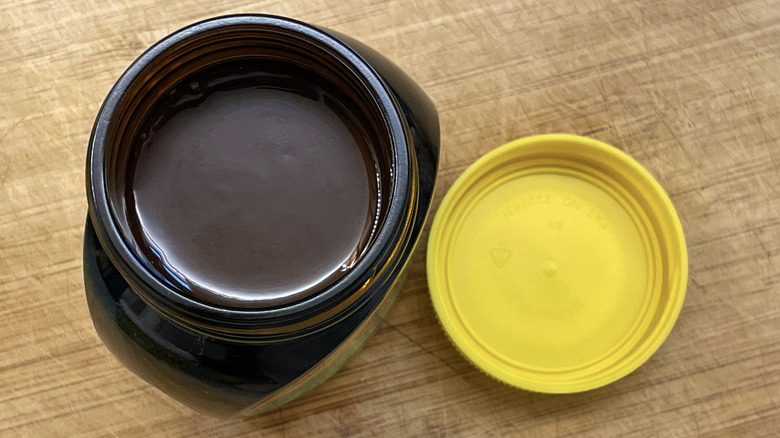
column 236, row 361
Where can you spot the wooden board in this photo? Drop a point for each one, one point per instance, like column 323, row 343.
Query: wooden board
column 689, row 88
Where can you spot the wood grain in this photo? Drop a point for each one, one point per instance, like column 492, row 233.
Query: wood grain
column 689, row 88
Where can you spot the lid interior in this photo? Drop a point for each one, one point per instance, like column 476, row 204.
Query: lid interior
column 557, row 264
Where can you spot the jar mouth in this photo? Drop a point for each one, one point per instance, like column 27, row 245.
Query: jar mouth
column 197, row 48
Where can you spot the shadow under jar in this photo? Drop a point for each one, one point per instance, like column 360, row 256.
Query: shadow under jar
column 256, row 187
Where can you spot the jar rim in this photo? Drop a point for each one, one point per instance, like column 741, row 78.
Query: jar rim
column 180, row 306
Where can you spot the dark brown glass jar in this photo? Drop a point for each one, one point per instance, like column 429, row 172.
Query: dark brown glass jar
column 195, row 327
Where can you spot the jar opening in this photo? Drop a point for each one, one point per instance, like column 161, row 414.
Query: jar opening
column 249, row 167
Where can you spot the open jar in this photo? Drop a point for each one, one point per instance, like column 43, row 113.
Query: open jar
column 256, row 187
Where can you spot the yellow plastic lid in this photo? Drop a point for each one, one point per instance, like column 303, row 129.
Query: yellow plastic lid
column 556, row 263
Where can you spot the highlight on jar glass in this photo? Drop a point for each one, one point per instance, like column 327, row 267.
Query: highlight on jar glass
column 256, row 186
column 557, row 264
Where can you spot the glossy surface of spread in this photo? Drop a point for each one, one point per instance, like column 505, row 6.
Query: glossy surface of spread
column 252, row 184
